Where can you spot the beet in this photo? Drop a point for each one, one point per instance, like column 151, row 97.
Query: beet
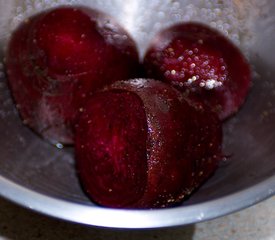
column 140, row 144
column 59, row 57
column 203, row 64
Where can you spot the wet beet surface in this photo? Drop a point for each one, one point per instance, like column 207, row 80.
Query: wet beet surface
column 201, row 63
column 57, row 58
column 140, row 144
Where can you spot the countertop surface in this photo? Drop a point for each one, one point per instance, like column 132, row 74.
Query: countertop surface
column 255, row 223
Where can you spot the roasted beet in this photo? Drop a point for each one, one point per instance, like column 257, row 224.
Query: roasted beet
column 141, row 144
column 57, row 58
column 203, row 64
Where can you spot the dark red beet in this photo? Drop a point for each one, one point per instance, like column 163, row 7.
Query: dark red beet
column 115, row 141
column 58, row 58
column 205, row 144
column 203, row 64
column 140, row 144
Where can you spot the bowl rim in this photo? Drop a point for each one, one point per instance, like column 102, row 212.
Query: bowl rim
column 136, row 219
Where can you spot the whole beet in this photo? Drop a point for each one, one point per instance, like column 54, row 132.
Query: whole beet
column 140, row 144
column 59, row 57
column 201, row 63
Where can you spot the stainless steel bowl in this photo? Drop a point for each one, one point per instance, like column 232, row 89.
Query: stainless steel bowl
column 42, row 177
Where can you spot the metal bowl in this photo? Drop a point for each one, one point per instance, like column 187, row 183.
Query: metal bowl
column 42, row 177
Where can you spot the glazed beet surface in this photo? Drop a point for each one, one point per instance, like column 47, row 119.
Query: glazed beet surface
column 203, row 64
column 57, row 58
column 140, row 144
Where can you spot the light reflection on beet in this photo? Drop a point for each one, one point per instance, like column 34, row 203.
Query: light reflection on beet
column 201, row 63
